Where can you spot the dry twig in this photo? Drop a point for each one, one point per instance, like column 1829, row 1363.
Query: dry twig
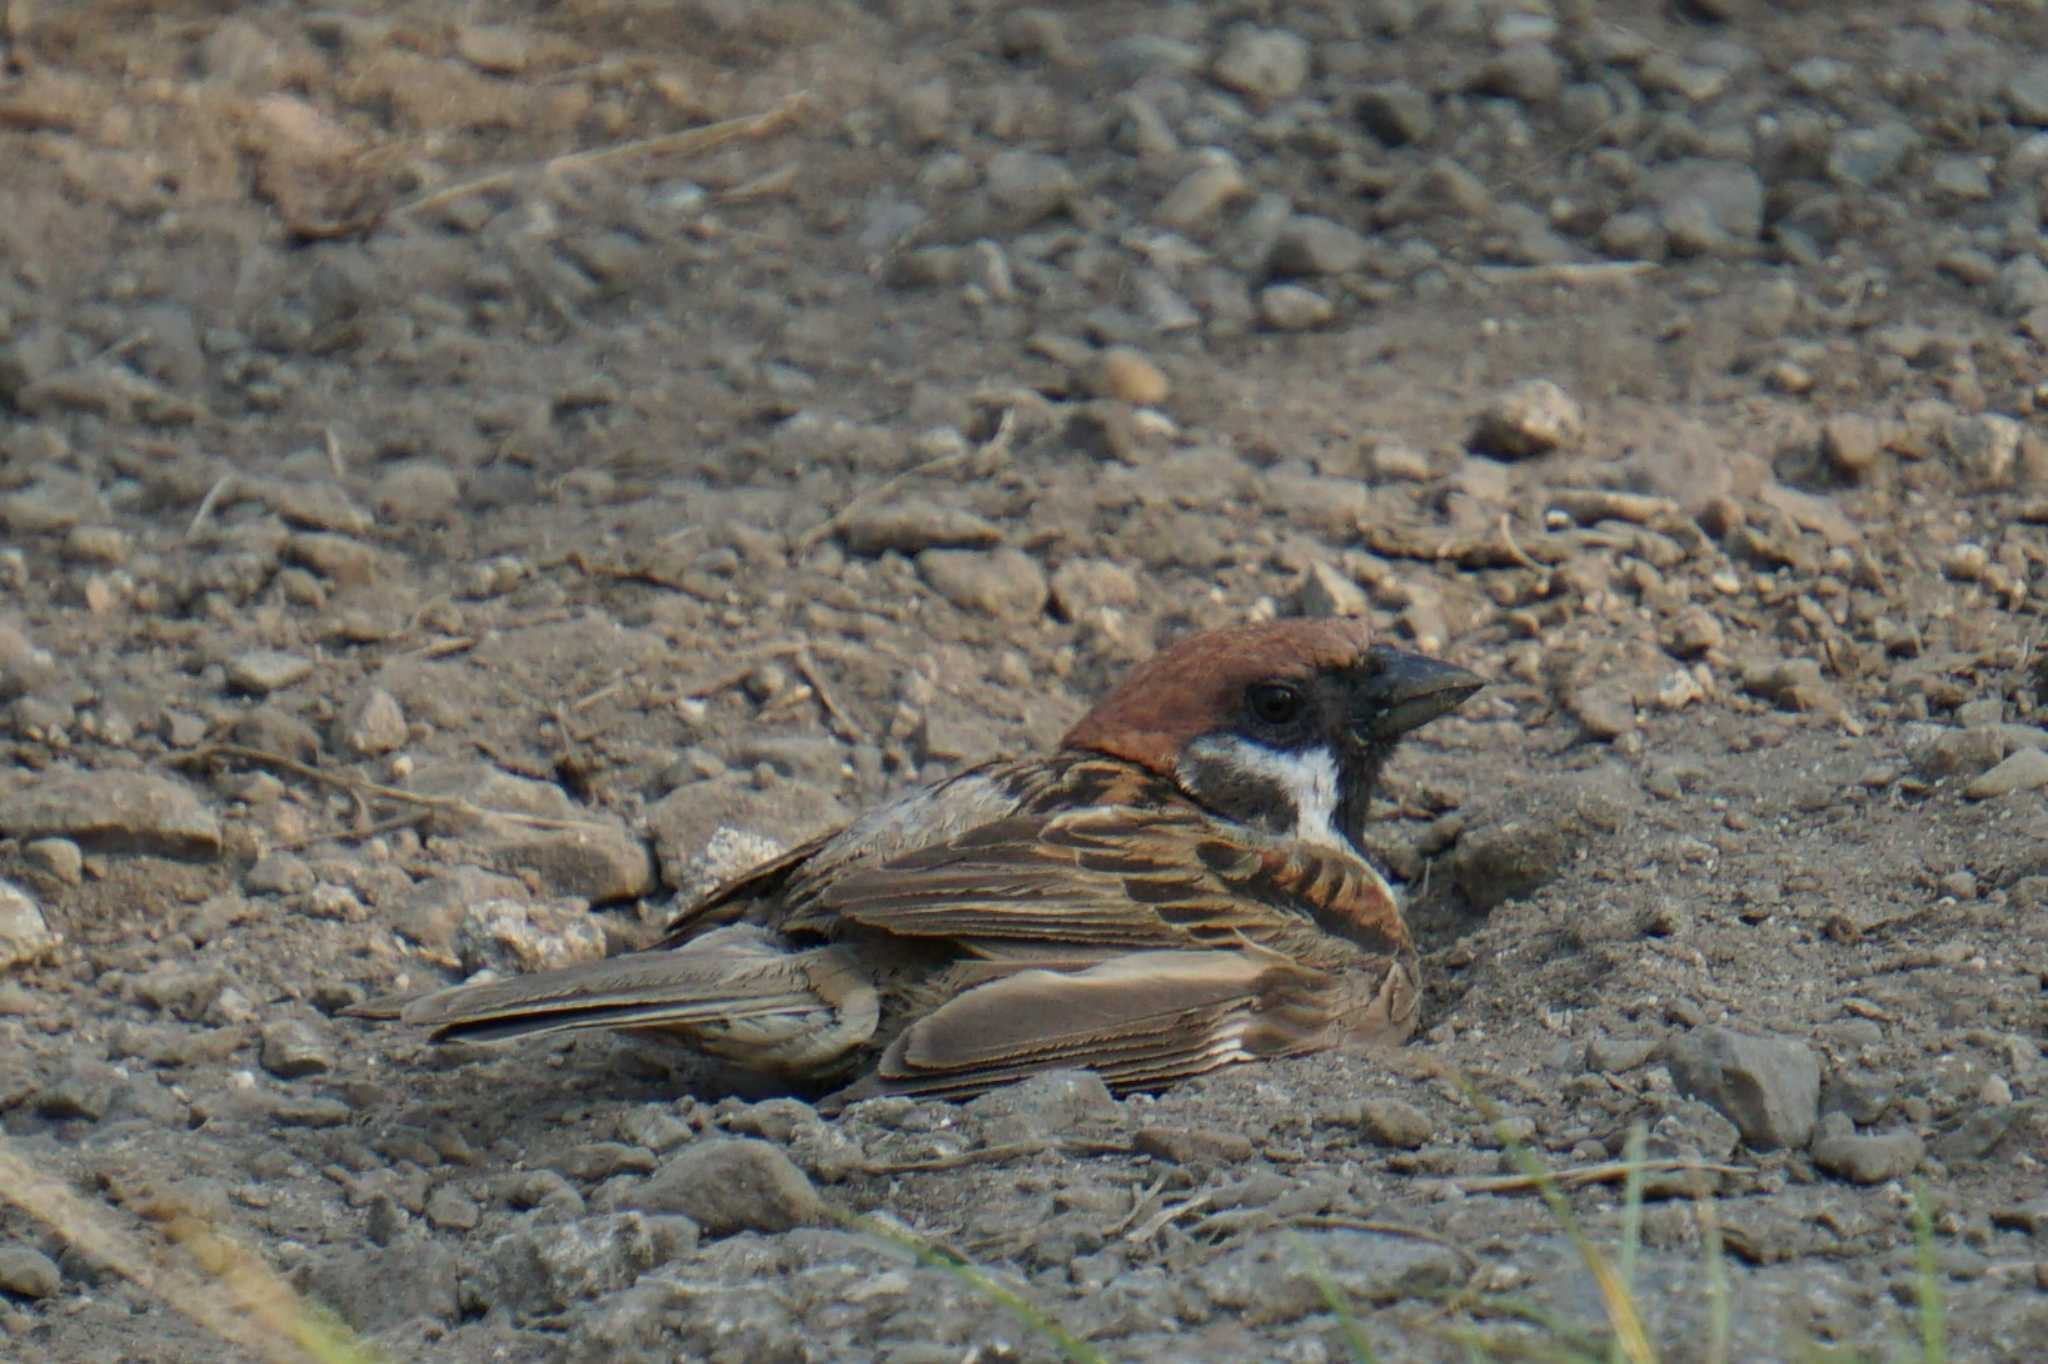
column 1608, row 1172
column 362, row 790
column 688, row 142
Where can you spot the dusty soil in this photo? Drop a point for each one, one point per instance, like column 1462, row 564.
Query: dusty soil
column 441, row 527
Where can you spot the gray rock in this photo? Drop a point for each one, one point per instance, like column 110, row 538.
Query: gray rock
column 1308, row 245
column 1328, row 591
column 1266, row 64
column 1034, row 32
column 314, row 505
column 2026, row 94
column 655, row 1127
column 512, row 938
column 1528, row 72
column 1193, row 1145
column 279, row 874
column 1005, row 583
column 24, row 934
column 371, row 724
column 487, row 788
column 2029, row 1218
column 1996, row 1128
column 1397, row 114
column 296, row 1047
column 416, row 490
column 1083, row 586
column 1394, row 1122
column 914, row 524
column 1027, row 187
column 819, row 1148
column 1793, row 683
column 1769, row 1087
column 1202, row 194
column 1533, row 417
column 1274, row 1278
column 1869, row 157
column 2026, row 770
column 378, row 1286
column 56, row 857
column 34, row 354
column 52, row 503
column 1124, row 61
column 430, row 913
column 82, row 1089
column 1293, row 308
column 1984, row 447
column 1690, row 1126
column 2021, row 285
column 337, row 558
column 1606, row 710
column 116, row 811
column 600, row 862
column 1526, row 836
column 1633, row 236
column 1444, row 186
column 449, row 1208
column 1960, row 753
column 1609, row 1055
column 180, row 989
column 1864, row 1158
column 1055, row 1104
column 263, row 671
column 1960, row 178
column 28, row 1273
column 733, row 1184
column 1707, row 207
column 709, row 831
column 274, row 730
column 1850, row 443
column 545, row 1268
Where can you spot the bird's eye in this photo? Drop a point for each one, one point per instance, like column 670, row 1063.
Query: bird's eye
column 1273, row 703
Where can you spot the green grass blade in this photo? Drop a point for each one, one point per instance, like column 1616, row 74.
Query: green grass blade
column 1631, row 1341
column 1714, row 1260
column 1631, row 1222
column 1927, row 1282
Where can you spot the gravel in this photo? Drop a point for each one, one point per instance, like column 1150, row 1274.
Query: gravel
column 566, row 521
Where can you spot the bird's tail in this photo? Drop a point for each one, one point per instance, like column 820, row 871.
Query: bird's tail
column 732, row 993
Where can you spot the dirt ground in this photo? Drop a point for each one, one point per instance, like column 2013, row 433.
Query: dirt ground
column 469, row 474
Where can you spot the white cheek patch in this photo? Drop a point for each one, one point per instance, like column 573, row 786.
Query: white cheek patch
column 1309, row 778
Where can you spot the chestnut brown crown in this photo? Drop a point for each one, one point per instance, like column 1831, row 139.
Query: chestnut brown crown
column 1208, row 684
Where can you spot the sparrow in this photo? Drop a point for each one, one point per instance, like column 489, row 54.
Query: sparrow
column 1179, row 887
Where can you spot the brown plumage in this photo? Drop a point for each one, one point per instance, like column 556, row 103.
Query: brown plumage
column 1179, row 887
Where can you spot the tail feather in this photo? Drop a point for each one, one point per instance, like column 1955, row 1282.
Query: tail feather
column 731, row 993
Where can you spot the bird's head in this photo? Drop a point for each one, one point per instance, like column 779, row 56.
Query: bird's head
column 1282, row 725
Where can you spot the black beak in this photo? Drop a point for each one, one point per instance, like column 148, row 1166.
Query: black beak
column 1404, row 691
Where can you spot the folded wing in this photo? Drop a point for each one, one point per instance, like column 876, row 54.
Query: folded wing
column 1138, row 1019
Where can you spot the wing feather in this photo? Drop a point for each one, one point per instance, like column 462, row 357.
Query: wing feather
column 1157, row 877
column 1138, row 1019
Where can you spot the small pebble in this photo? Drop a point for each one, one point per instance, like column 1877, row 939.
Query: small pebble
column 267, row 670
column 1394, row 1122
column 1531, row 418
